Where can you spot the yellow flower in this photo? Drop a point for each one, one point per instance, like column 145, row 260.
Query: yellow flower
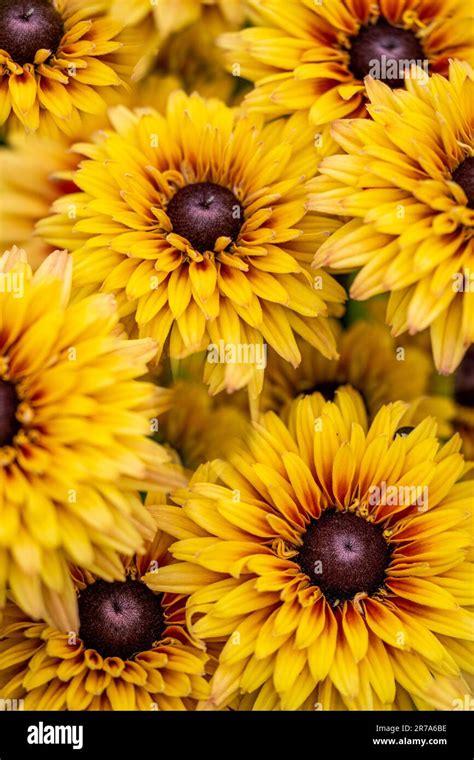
column 373, row 367
column 179, row 38
column 330, row 562
column 171, row 16
column 32, row 175
column 131, row 652
column 200, row 427
column 369, row 361
column 37, row 169
column 74, row 451
column 436, row 393
column 407, row 182
column 56, row 60
column 193, row 58
column 313, row 56
column 198, row 222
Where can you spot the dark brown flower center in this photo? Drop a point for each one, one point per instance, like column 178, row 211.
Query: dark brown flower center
column 27, row 26
column 383, row 51
column 203, row 212
column 402, row 432
column 120, row 619
column 9, row 425
column 464, row 176
column 464, row 381
column 344, row 554
column 327, row 389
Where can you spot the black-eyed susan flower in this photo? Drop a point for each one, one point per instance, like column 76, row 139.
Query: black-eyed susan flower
column 193, row 58
column 435, row 398
column 130, row 652
column 179, row 38
column 332, row 563
column 37, row 169
column 369, row 361
column 373, row 367
column 198, row 222
column 313, row 56
column 74, row 451
column 200, row 427
column 57, row 58
column 168, row 16
column 32, row 176
column 406, row 183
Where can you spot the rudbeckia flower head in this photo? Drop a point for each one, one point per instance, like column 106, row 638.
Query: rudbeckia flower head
column 170, row 16
column 199, row 427
column 179, row 38
column 131, row 650
column 38, row 168
column 313, row 56
column 198, row 222
column 369, row 361
column 332, row 563
column 74, row 446
column 33, row 173
column 57, row 57
column 406, row 185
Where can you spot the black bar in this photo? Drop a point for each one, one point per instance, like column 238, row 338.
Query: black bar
column 134, row 735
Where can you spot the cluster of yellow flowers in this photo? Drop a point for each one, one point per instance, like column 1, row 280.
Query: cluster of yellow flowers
column 228, row 480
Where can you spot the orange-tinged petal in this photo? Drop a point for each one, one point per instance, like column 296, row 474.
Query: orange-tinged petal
column 23, row 91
